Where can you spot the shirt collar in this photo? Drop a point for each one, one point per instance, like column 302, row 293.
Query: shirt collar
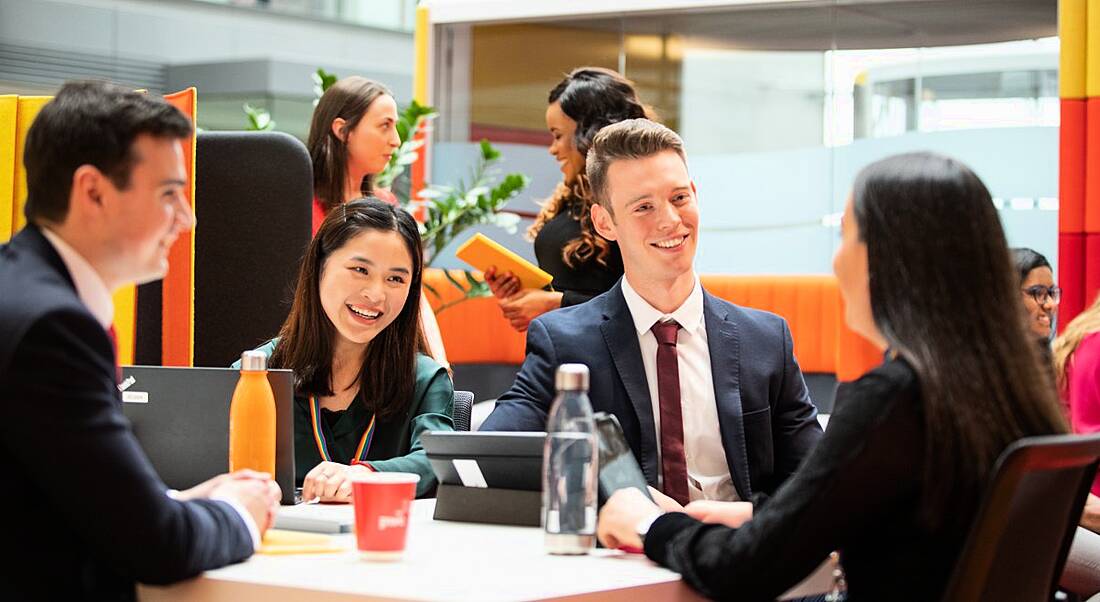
column 689, row 315
column 90, row 287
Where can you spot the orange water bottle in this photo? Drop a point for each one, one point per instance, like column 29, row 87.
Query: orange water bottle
column 252, row 417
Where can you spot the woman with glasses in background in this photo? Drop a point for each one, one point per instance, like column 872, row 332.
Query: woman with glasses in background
column 1041, row 296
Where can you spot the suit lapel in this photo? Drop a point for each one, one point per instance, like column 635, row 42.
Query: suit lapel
column 725, row 365
column 622, row 343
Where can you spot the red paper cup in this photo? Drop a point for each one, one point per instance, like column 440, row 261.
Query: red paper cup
column 382, row 501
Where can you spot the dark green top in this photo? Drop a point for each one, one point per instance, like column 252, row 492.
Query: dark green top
column 395, row 446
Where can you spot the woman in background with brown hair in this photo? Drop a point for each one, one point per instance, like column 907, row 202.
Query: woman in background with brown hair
column 582, row 263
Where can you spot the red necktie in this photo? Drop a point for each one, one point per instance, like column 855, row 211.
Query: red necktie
column 111, row 334
column 673, row 461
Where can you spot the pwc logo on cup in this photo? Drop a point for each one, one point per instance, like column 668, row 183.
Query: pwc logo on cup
column 382, row 501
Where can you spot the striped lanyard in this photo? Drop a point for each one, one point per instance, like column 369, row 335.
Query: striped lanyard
column 322, row 445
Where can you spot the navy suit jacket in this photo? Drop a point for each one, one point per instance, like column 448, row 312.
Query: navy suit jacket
column 766, row 419
column 85, row 508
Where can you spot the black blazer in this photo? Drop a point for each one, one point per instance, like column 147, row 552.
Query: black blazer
column 767, row 421
column 86, row 514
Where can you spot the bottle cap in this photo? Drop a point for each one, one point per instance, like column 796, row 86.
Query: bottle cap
column 253, row 361
column 572, row 377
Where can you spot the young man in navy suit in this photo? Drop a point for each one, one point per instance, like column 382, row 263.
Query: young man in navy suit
column 105, row 202
column 709, row 394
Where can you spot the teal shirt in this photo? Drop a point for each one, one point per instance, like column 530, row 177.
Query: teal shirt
column 395, row 446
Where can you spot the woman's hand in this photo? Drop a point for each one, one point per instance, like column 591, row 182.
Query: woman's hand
column 1090, row 518
column 618, row 522
column 730, row 514
column 528, row 304
column 330, row 481
column 502, row 285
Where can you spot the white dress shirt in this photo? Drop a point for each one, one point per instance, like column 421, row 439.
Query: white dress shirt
column 97, row 298
column 708, row 473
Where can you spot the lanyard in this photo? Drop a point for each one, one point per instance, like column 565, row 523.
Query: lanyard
column 319, row 435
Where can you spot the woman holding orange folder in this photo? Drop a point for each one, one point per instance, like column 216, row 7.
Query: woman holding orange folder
column 582, row 263
column 365, row 388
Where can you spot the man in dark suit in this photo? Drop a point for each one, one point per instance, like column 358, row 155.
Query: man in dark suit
column 86, row 512
column 709, row 394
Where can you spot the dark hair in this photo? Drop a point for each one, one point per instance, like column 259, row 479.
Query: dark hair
column 630, row 139
column 944, row 295
column 594, row 98
column 348, row 99
column 90, row 123
column 1026, row 259
column 388, row 374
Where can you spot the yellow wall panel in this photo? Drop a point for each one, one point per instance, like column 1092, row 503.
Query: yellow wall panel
column 125, row 317
column 9, row 105
column 29, row 106
column 1072, row 30
column 1092, row 50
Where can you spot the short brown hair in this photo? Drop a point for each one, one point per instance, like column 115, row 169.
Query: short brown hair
column 627, row 139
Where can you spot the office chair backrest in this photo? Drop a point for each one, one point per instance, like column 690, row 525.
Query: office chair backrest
column 253, row 200
column 464, row 403
column 1022, row 531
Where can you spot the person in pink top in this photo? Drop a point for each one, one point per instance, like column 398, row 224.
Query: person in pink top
column 1077, row 367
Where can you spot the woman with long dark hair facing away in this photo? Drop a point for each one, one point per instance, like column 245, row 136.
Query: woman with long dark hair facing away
column 583, row 263
column 365, row 388
column 896, row 480
column 352, row 136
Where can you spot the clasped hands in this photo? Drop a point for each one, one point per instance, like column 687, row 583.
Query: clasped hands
column 520, row 305
column 330, row 482
column 626, row 508
column 255, row 491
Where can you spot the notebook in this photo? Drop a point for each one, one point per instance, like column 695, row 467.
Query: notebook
column 180, row 417
column 483, row 253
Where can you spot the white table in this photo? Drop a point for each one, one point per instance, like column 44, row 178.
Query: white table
column 444, row 561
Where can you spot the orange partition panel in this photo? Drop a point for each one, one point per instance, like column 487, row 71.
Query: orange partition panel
column 1090, row 209
column 474, row 331
column 1071, row 166
column 178, row 301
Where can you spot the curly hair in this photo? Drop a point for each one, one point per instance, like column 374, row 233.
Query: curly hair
column 594, row 98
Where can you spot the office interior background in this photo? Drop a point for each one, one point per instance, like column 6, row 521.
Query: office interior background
column 779, row 104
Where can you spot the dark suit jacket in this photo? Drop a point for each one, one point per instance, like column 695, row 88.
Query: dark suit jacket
column 86, row 515
column 766, row 419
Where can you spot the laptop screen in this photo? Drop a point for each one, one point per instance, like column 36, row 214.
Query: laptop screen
column 180, row 417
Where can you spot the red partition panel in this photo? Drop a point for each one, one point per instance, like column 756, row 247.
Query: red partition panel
column 1071, row 276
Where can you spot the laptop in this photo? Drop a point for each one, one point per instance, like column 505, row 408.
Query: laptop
column 181, row 419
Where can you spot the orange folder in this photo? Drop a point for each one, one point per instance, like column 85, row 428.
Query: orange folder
column 483, row 253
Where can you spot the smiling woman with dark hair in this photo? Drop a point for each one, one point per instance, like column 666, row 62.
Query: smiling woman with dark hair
column 365, row 388
column 896, row 480
column 583, row 263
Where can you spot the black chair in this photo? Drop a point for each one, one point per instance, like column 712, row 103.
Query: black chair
column 1021, row 534
column 253, row 199
column 464, row 402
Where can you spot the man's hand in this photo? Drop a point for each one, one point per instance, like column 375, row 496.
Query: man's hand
column 204, row 489
column 330, row 481
column 528, row 304
column 260, row 497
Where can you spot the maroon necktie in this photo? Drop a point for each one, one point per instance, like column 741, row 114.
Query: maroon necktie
column 673, row 462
